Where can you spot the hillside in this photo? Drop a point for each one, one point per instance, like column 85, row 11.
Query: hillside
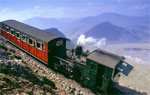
column 117, row 34
column 42, row 23
column 55, row 31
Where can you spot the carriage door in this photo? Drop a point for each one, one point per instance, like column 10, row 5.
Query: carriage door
column 103, row 78
column 100, row 75
column 60, row 48
column 90, row 74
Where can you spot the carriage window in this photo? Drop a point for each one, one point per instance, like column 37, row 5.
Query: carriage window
column 34, row 43
column 3, row 26
column 38, row 45
column 7, row 29
column 12, row 32
column 30, row 41
column 18, row 35
column 42, row 46
column 24, row 37
column 59, row 43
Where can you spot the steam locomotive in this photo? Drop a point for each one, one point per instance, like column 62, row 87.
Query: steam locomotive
column 97, row 70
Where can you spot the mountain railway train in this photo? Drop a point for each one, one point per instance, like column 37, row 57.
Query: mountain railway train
column 97, row 70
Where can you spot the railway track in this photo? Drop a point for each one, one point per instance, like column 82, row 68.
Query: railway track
column 64, row 85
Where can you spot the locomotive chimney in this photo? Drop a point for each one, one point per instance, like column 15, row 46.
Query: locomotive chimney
column 78, row 50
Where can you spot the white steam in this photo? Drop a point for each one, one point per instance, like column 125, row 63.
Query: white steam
column 135, row 59
column 82, row 40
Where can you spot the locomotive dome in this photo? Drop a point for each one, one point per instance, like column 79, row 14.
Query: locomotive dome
column 29, row 30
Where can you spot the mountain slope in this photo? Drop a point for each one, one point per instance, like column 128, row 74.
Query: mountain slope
column 42, row 23
column 55, row 31
column 116, row 34
column 131, row 22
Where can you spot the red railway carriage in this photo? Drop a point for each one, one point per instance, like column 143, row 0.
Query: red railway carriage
column 38, row 43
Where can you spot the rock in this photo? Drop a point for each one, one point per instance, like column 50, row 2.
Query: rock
column 22, row 75
column 47, row 93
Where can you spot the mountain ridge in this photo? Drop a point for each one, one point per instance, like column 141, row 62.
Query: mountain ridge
column 117, row 34
column 73, row 28
column 55, row 31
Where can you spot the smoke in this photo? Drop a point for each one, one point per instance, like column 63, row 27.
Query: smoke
column 82, row 40
column 135, row 59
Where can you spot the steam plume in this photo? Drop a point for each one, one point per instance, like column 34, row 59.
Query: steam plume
column 82, row 40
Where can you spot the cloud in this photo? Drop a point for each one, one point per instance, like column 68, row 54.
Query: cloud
column 135, row 59
column 120, row 0
column 145, row 6
column 5, row 10
column 82, row 40
column 88, row 9
column 124, row 0
column 29, row 13
column 37, row 7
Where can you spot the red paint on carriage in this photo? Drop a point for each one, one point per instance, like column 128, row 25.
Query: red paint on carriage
column 18, row 42
column 39, row 53
column 9, row 36
column 2, row 32
column 31, row 49
column 25, row 46
column 46, row 57
column 46, row 52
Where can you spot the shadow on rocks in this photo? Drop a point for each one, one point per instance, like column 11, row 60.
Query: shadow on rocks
column 118, row 89
column 16, row 71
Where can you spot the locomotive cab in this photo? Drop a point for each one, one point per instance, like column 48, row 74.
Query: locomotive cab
column 57, row 48
column 104, row 69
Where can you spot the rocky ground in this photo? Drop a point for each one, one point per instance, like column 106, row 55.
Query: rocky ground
column 17, row 78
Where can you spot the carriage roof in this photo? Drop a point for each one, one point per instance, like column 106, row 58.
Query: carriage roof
column 31, row 31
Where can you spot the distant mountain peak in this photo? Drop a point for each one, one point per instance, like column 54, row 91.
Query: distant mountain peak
column 55, row 31
column 109, row 14
column 52, row 29
column 106, row 23
column 115, row 34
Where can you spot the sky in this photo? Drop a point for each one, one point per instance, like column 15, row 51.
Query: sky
column 24, row 9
